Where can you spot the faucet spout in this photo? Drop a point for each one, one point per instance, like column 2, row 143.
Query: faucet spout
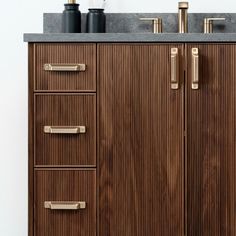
column 183, row 17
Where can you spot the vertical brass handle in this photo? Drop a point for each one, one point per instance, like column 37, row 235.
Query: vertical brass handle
column 174, row 68
column 195, row 68
column 65, row 205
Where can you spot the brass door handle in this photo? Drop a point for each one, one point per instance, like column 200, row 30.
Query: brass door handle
column 64, row 67
column 174, row 68
column 64, row 129
column 195, row 68
column 64, row 205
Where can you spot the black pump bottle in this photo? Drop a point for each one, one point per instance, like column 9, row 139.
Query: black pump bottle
column 71, row 20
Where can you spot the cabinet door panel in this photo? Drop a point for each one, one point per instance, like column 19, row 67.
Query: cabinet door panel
column 141, row 167
column 211, row 142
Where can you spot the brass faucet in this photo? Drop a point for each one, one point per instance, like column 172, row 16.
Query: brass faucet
column 183, row 17
column 208, row 24
column 156, row 22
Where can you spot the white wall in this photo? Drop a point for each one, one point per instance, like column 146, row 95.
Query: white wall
column 17, row 17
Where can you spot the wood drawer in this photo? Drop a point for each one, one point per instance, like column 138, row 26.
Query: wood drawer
column 64, row 189
column 64, row 54
column 58, row 122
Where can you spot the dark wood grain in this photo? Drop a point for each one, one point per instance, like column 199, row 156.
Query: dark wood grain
column 65, row 53
column 211, row 131
column 140, row 141
column 141, row 165
column 65, row 185
column 65, row 110
column 30, row 140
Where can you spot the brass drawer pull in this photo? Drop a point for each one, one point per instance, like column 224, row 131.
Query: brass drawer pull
column 64, row 205
column 64, row 129
column 64, row 67
column 195, row 68
column 174, row 68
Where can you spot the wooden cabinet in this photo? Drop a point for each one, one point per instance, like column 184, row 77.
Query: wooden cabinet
column 141, row 142
column 211, row 153
column 62, row 140
column 156, row 159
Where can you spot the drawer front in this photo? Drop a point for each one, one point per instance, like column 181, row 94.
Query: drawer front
column 65, row 129
column 55, row 67
column 65, row 202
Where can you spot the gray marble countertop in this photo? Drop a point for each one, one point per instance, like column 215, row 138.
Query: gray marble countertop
column 131, row 37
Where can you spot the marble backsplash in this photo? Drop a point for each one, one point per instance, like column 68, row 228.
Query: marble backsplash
column 130, row 23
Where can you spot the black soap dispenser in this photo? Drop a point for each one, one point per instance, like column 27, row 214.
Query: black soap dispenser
column 71, row 20
column 96, row 21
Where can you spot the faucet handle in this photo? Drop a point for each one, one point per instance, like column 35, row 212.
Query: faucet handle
column 157, row 24
column 208, row 24
column 183, row 5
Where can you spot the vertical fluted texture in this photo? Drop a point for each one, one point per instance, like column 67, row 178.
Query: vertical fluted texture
column 65, row 53
column 65, row 185
column 65, row 110
column 211, row 143
column 141, row 162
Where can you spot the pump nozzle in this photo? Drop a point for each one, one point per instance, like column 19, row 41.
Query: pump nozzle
column 72, row 1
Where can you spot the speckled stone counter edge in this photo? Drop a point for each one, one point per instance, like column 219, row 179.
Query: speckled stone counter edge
column 130, row 37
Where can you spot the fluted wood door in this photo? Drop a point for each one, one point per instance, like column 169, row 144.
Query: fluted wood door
column 211, row 132
column 141, row 142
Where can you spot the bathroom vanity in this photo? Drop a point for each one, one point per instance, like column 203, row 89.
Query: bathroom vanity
column 132, row 134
